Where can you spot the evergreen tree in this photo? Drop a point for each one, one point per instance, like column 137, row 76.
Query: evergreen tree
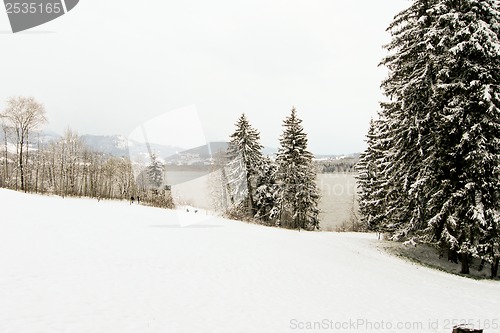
column 267, row 194
column 245, row 157
column 405, row 131
column 298, row 190
column 439, row 132
column 372, row 194
column 155, row 171
column 465, row 214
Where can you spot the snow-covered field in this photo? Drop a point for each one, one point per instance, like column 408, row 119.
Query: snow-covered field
column 79, row 266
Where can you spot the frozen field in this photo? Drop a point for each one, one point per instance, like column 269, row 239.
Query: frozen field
column 80, row 266
column 338, row 200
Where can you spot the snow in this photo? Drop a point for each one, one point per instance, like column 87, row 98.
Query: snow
column 79, row 265
column 11, row 148
column 121, row 142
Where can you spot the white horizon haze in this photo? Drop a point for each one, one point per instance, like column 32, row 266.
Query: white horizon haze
column 107, row 67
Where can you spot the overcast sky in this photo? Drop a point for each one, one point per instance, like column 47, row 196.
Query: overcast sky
column 109, row 66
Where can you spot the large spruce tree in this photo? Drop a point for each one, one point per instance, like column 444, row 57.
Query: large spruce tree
column 465, row 213
column 296, row 178
column 372, row 194
column 244, row 159
column 405, row 130
column 439, row 131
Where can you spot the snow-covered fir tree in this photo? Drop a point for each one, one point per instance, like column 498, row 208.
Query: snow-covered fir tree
column 267, row 193
column 296, row 176
column 406, row 120
column 372, row 197
column 155, row 170
column 440, row 129
column 244, row 158
column 464, row 212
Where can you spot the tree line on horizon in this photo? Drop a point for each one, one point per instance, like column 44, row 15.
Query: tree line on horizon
column 431, row 172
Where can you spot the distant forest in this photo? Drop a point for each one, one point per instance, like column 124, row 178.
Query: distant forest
column 341, row 165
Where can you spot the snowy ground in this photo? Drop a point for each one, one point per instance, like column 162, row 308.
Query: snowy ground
column 78, row 265
column 429, row 256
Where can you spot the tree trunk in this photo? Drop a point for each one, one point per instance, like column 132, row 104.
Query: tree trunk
column 494, row 268
column 250, row 205
column 42, row 181
column 26, row 164
column 37, row 166
column 453, row 256
column 6, row 175
column 465, row 263
column 226, row 188
column 21, row 169
column 481, row 265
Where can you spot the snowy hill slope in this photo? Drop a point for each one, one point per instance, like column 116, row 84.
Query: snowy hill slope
column 78, row 265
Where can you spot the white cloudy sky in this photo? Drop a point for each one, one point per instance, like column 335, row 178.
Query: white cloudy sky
column 110, row 65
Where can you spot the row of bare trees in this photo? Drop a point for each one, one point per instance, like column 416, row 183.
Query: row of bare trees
column 65, row 166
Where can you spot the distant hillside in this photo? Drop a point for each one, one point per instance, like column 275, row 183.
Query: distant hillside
column 340, row 163
column 43, row 136
column 354, row 156
column 118, row 145
column 139, row 148
column 202, row 152
column 210, row 149
column 115, row 145
column 270, row 151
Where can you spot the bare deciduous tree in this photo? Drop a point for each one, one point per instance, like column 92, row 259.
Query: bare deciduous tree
column 23, row 114
column 5, row 156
